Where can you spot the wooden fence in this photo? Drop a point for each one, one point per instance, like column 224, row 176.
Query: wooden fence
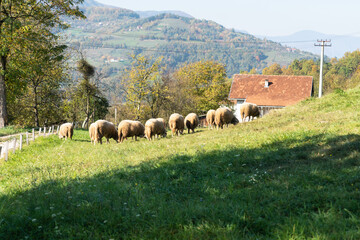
column 17, row 141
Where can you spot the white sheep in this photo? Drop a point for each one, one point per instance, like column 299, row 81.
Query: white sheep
column 66, row 130
column 224, row 116
column 210, row 118
column 250, row 110
column 105, row 129
column 176, row 124
column 129, row 128
column 154, row 127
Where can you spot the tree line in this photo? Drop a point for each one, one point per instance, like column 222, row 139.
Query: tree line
column 343, row 73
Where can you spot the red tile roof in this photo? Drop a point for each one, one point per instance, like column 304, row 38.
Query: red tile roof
column 282, row 91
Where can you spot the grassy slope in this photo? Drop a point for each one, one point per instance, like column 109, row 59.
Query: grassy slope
column 293, row 174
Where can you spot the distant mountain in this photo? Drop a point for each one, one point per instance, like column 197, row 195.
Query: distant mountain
column 304, row 40
column 146, row 14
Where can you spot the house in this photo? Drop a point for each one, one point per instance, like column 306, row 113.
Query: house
column 269, row 91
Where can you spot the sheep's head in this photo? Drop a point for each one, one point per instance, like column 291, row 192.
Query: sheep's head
column 234, row 120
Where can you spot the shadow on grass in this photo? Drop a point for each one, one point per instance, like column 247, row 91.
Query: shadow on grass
column 290, row 189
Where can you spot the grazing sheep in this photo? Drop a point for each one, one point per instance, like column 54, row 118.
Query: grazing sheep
column 105, row 129
column 210, row 118
column 249, row 110
column 92, row 129
column 163, row 121
column 191, row 122
column 154, row 127
column 176, row 124
column 224, row 116
column 129, row 128
column 66, row 130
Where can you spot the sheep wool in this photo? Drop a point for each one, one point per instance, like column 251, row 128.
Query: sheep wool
column 66, row 130
column 210, row 118
column 191, row 122
column 105, row 129
column 92, row 132
column 129, row 128
column 224, row 116
column 176, row 124
column 154, row 127
column 250, row 110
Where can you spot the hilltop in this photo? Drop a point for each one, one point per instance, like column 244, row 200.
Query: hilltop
column 293, row 174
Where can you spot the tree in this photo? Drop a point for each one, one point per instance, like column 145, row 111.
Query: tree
column 43, row 71
column 205, row 85
column 142, row 86
column 274, row 69
column 17, row 18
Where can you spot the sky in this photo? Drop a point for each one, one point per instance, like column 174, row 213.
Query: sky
column 264, row 17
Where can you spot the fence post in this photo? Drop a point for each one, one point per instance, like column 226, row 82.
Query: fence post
column 39, row 132
column 52, row 130
column 27, row 138
column 57, row 131
column 14, row 145
column 6, row 151
column 21, row 140
column 33, row 134
column 44, row 131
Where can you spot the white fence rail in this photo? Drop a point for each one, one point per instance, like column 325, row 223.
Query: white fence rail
column 16, row 142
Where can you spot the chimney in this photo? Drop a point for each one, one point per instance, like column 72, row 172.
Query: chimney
column 266, row 83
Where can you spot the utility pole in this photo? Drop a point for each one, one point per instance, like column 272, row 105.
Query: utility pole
column 323, row 44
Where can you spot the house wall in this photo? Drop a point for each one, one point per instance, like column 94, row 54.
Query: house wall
column 237, row 108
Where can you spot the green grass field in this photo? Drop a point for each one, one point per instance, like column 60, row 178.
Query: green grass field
column 294, row 174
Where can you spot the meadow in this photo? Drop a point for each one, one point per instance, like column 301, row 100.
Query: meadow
column 293, row 174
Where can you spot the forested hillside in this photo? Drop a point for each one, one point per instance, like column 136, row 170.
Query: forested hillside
column 109, row 35
column 113, row 33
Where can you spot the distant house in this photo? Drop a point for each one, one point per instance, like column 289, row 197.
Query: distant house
column 269, row 91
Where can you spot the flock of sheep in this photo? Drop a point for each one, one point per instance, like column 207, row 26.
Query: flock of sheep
column 157, row 126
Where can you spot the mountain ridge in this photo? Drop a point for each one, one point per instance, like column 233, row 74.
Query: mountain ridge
column 304, row 40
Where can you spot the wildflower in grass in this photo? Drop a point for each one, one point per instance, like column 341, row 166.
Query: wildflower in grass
column 53, row 215
column 39, row 227
column 105, row 221
column 137, row 215
column 34, row 220
column 51, row 208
